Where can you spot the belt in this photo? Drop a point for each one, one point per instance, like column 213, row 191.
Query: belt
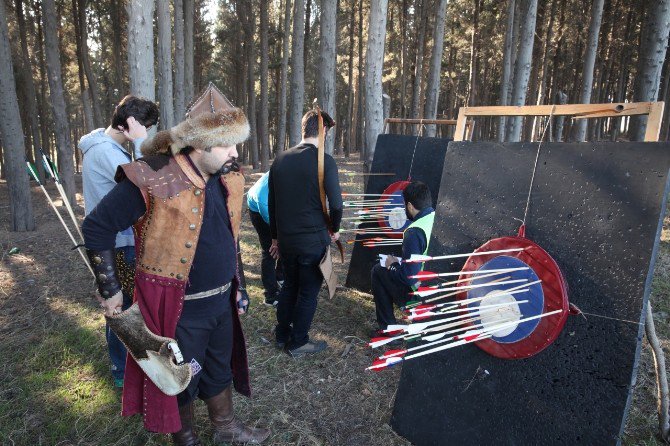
column 212, row 292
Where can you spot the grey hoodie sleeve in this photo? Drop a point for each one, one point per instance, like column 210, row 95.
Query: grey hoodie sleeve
column 137, row 144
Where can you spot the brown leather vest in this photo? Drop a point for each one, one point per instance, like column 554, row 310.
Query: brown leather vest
column 167, row 234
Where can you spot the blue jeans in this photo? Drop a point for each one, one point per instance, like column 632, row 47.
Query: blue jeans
column 298, row 297
column 116, row 349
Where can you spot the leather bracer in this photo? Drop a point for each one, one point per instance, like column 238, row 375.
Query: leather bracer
column 104, row 266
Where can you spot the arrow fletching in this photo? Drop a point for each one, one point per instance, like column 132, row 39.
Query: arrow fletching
column 33, row 171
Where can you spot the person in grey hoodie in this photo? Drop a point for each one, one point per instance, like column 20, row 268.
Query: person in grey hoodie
column 103, row 152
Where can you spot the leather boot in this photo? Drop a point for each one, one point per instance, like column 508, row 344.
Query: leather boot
column 186, row 436
column 227, row 428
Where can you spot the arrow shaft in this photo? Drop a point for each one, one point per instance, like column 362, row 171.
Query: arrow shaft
column 466, row 287
column 469, row 254
column 475, row 272
column 461, row 303
column 60, row 218
column 482, row 334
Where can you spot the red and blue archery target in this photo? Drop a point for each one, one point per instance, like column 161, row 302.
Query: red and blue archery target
column 527, row 338
column 516, row 308
column 396, row 217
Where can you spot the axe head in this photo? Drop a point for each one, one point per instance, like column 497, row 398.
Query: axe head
column 158, row 356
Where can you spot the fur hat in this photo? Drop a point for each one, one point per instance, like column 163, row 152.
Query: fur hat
column 221, row 128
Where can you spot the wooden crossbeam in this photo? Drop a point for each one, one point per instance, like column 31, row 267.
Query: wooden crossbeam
column 469, row 125
column 654, row 110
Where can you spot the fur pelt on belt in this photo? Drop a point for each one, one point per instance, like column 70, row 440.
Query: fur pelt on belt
column 221, row 128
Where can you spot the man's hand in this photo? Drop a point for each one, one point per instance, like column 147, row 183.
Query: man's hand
column 334, row 237
column 274, row 249
column 113, row 305
column 135, row 129
column 241, row 308
column 390, row 260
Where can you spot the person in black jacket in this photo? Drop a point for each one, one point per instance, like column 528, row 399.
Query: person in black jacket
column 299, row 233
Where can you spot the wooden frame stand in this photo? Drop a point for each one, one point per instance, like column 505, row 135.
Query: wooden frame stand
column 578, row 111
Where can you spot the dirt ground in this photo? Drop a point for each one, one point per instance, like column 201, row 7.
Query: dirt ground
column 55, row 385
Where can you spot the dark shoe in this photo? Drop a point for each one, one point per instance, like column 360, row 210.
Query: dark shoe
column 271, row 301
column 186, row 436
column 280, row 345
column 308, row 349
column 227, row 428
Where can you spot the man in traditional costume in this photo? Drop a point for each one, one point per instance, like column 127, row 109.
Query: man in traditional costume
column 391, row 282
column 184, row 200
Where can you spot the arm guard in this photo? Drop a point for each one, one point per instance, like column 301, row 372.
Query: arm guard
column 106, row 276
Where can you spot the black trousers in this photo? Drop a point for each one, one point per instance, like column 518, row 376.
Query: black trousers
column 271, row 269
column 206, row 342
column 387, row 291
column 298, row 297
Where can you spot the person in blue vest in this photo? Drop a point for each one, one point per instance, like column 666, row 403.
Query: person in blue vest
column 391, row 282
column 271, row 270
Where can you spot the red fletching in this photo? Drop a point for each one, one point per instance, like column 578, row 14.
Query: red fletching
column 423, row 308
column 393, row 333
column 471, row 337
column 421, row 318
column 375, row 340
column 393, row 353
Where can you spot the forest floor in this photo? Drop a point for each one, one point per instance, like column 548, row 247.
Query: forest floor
column 56, row 388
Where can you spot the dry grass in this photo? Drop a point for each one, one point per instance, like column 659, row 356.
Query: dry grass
column 55, row 382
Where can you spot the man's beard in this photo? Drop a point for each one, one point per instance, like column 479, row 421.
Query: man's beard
column 229, row 166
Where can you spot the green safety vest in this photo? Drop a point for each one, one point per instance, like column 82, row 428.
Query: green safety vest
column 425, row 223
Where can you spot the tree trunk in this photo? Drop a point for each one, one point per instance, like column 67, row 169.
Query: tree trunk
column 164, row 64
column 245, row 14
column 89, row 119
column 117, row 50
column 542, row 94
column 560, row 99
column 30, row 92
column 433, row 87
column 360, row 138
column 418, row 66
column 403, row 58
column 474, row 49
column 350, row 99
column 62, row 130
column 94, row 91
column 374, row 63
column 579, row 128
column 281, row 110
column 505, row 86
column 20, row 204
column 179, row 62
column 141, row 48
column 295, row 110
column 45, row 121
column 523, row 64
column 650, row 62
column 263, row 125
column 327, row 59
column 308, row 23
column 189, row 24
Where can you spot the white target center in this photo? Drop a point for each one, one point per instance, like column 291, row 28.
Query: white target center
column 508, row 315
column 397, row 218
